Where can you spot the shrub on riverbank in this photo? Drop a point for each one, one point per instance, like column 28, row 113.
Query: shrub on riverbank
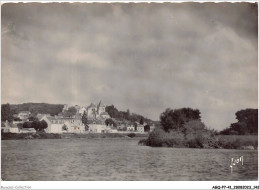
column 184, row 128
column 160, row 138
column 131, row 135
column 175, row 138
column 237, row 141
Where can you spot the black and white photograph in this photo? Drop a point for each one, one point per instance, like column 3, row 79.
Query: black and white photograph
column 110, row 91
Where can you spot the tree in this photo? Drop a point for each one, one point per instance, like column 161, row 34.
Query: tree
column 135, row 126
column 194, row 127
column 27, row 125
column 247, row 123
column 84, row 120
column 39, row 125
column 52, row 109
column 64, row 128
column 146, row 128
column 110, row 121
column 112, row 111
column 17, row 119
column 175, row 119
column 6, row 113
column 70, row 112
column 141, row 121
column 128, row 114
column 248, row 117
column 32, row 118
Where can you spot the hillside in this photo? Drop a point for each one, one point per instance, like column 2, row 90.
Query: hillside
column 126, row 115
column 55, row 109
column 52, row 109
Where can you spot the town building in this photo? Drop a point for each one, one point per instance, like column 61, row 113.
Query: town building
column 40, row 115
column 24, row 115
column 97, row 112
column 64, row 124
column 140, row 128
column 9, row 127
column 130, row 128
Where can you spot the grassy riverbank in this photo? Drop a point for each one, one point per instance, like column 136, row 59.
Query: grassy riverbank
column 177, row 140
column 20, row 136
column 237, row 141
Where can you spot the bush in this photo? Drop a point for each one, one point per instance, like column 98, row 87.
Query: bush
column 159, row 137
column 142, row 142
column 131, row 135
column 194, row 134
column 237, row 142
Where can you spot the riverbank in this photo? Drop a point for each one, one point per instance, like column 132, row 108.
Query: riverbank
column 241, row 142
column 21, row 136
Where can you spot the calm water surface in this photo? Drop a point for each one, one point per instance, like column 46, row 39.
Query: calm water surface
column 119, row 159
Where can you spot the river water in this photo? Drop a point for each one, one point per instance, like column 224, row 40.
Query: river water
column 119, row 159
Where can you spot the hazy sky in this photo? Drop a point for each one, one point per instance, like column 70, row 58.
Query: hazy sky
column 145, row 57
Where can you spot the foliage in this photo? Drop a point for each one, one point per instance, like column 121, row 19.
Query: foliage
column 131, row 135
column 39, row 125
column 159, row 137
column 135, row 126
column 247, row 123
column 84, row 120
column 17, row 119
column 27, row 125
column 64, row 128
column 32, row 118
column 181, row 128
column 237, row 141
column 110, row 121
column 112, row 111
column 70, row 112
column 141, row 121
column 175, row 119
column 6, row 113
column 34, row 108
column 125, row 115
column 147, row 128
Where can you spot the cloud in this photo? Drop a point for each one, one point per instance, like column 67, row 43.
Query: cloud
column 75, row 56
column 145, row 57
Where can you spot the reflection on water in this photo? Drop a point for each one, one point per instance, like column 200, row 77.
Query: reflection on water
column 119, row 159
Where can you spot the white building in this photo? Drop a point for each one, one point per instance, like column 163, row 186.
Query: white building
column 97, row 112
column 140, row 128
column 97, row 128
column 8, row 127
column 130, row 128
column 24, row 115
column 63, row 125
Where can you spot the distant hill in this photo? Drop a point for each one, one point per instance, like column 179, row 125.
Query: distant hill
column 55, row 109
column 52, row 109
column 126, row 115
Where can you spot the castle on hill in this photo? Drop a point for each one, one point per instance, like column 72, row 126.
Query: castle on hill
column 96, row 112
column 93, row 111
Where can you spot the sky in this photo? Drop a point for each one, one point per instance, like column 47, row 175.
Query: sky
column 143, row 57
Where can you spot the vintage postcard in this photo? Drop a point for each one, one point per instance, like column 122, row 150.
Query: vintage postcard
column 129, row 92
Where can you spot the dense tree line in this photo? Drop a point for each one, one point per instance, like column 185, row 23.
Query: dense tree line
column 181, row 128
column 125, row 115
column 70, row 112
column 6, row 112
column 175, row 119
column 110, row 121
column 37, row 125
column 34, row 108
column 247, row 123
